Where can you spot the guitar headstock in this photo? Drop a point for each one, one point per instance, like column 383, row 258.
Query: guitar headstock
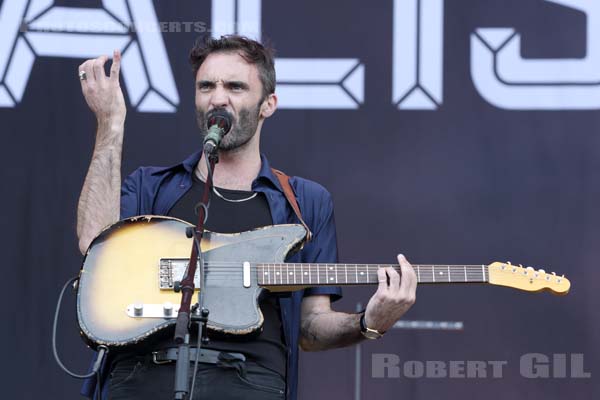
column 527, row 278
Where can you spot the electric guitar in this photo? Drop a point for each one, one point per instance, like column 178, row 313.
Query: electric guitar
column 126, row 284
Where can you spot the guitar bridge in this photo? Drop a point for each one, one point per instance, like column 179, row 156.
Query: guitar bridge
column 171, row 270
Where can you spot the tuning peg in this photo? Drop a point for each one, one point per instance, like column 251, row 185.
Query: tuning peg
column 554, row 273
column 542, row 271
column 508, row 262
column 533, row 271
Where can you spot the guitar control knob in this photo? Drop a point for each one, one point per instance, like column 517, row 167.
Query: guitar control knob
column 167, row 309
column 138, row 309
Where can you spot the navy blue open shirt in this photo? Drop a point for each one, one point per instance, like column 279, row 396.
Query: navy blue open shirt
column 154, row 191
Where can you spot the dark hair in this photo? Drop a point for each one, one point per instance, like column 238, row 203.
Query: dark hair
column 250, row 50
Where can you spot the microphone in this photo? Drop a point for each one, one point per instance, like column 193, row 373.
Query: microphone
column 218, row 124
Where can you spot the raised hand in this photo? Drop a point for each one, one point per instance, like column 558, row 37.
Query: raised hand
column 100, row 196
column 103, row 93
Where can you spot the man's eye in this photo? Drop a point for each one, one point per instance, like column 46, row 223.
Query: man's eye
column 236, row 88
column 204, row 87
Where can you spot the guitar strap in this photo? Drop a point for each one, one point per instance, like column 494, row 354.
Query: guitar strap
column 284, row 181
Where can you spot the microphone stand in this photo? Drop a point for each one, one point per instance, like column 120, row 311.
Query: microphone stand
column 185, row 315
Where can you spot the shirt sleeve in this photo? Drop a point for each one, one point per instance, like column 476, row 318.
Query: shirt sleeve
column 130, row 194
column 323, row 246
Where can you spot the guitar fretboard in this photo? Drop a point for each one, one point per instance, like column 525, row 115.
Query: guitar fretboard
column 362, row 274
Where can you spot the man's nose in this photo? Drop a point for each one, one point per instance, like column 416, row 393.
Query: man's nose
column 220, row 97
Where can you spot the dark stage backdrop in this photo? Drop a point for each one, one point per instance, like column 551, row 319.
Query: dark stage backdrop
column 456, row 132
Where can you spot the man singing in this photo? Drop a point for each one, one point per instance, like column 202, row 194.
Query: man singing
column 235, row 75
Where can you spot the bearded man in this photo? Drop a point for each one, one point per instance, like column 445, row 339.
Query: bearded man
column 235, row 75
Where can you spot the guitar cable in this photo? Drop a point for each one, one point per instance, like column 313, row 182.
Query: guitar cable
column 102, row 350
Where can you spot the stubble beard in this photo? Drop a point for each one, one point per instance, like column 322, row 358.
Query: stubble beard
column 242, row 131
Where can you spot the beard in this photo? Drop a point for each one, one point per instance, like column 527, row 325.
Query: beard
column 242, row 130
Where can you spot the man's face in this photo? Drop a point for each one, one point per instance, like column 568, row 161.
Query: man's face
column 226, row 81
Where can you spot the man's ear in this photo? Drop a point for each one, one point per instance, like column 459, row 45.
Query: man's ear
column 268, row 106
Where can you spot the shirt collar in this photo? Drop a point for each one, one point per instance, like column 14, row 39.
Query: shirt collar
column 265, row 173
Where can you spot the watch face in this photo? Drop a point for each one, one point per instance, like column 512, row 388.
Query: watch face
column 370, row 334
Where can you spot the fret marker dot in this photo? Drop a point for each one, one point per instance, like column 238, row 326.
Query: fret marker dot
column 291, row 273
column 277, row 273
column 266, row 273
column 331, row 278
column 441, row 273
column 362, row 273
column 306, row 273
column 331, row 268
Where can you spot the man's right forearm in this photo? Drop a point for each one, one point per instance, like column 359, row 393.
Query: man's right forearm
column 99, row 202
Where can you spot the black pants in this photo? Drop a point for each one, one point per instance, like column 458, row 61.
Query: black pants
column 140, row 378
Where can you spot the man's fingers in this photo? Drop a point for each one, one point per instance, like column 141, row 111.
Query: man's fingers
column 99, row 73
column 115, row 69
column 408, row 283
column 394, row 279
column 84, row 68
column 382, row 279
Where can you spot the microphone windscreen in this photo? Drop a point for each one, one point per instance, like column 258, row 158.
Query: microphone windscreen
column 220, row 118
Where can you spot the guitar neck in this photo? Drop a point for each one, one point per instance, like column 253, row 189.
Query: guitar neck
column 289, row 274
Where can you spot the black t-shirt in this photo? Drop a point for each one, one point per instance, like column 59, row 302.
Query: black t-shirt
column 268, row 347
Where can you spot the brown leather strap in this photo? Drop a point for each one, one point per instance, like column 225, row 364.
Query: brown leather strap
column 284, row 180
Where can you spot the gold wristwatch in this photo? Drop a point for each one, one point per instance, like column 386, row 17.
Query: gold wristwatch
column 368, row 332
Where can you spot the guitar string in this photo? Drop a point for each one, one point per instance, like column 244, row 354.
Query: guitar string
column 350, row 268
column 276, row 269
column 339, row 270
column 340, row 278
column 372, row 270
column 298, row 271
column 333, row 273
column 226, row 264
column 227, row 272
column 339, row 265
column 222, row 272
column 265, row 282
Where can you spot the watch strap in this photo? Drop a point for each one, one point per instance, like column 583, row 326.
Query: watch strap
column 368, row 332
